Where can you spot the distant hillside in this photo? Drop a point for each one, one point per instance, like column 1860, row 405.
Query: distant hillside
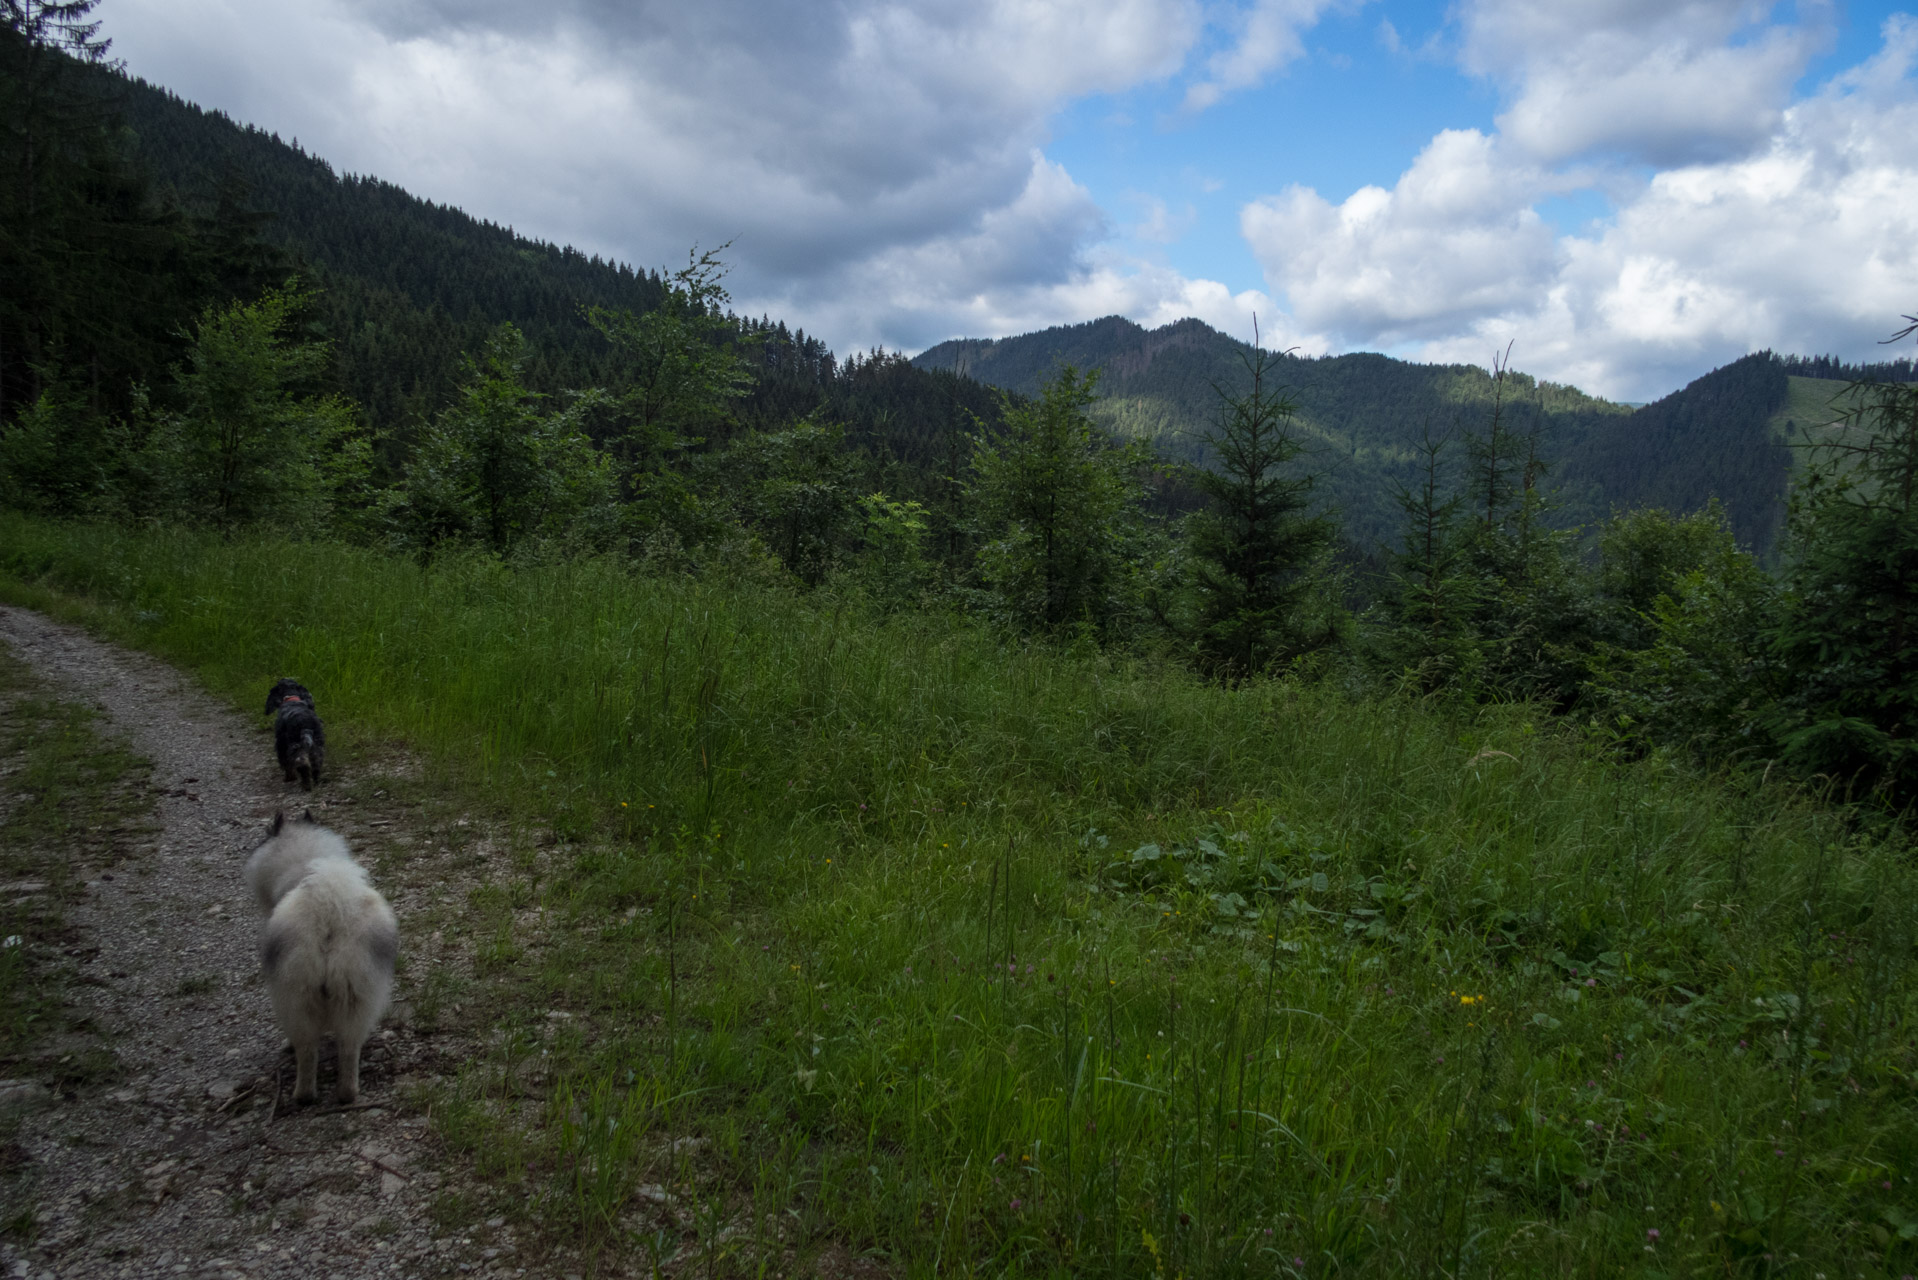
column 1725, row 435
column 1362, row 414
column 1815, row 413
column 410, row 285
column 1713, row 439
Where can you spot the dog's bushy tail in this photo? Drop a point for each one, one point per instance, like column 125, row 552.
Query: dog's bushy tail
column 329, row 950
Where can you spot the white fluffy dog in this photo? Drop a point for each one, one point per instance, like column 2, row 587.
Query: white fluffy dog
column 328, row 946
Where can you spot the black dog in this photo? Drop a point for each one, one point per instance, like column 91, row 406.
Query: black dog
column 298, row 735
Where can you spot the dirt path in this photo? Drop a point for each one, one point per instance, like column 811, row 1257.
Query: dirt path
column 192, row 1162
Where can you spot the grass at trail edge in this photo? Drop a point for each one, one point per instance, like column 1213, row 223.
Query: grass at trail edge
column 989, row 959
column 73, row 804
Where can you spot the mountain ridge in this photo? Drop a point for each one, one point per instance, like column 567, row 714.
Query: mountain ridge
column 1364, row 413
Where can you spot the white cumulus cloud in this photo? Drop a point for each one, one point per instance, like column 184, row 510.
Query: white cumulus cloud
column 1794, row 225
column 1455, row 241
column 1662, row 81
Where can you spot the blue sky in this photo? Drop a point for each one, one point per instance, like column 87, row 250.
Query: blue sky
column 1353, row 110
column 1349, row 113
column 1630, row 192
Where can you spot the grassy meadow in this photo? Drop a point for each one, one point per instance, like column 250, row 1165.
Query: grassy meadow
column 995, row 960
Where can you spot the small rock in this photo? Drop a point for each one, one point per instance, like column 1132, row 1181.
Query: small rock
column 390, row 1184
column 23, row 1095
column 687, row 1144
column 377, row 1155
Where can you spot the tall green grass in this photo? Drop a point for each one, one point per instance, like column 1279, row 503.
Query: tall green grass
column 1005, row 960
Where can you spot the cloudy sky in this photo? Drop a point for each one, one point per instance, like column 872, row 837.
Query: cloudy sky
column 1629, row 191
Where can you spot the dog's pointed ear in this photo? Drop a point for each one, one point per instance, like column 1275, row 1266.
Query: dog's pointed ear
column 308, row 816
column 279, row 820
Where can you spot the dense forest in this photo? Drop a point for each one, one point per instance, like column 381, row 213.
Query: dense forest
column 403, row 289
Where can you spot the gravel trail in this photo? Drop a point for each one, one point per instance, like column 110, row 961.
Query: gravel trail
column 193, row 1161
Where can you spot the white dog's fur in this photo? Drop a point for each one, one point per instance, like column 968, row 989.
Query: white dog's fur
column 328, row 947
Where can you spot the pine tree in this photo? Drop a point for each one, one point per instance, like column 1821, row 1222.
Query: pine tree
column 794, row 488
column 1531, row 611
column 1427, row 629
column 250, row 441
column 1680, row 658
column 1258, row 547
column 1055, row 505
column 678, row 368
column 1848, row 634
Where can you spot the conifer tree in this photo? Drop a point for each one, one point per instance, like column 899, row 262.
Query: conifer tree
column 1530, row 606
column 1848, row 634
column 1680, row 658
column 678, row 368
column 678, row 372
column 794, row 488
column 1055, row 503
column 1428, row 633
column 1257, row 548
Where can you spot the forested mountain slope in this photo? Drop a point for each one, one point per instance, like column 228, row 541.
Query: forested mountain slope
column 1363, row 415
column 1713, row 438
column 1725, row 436
column 409, row 286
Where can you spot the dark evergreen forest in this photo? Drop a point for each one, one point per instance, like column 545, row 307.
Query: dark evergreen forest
column 406, row 287
column 1709, row 441
column 196, row 207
